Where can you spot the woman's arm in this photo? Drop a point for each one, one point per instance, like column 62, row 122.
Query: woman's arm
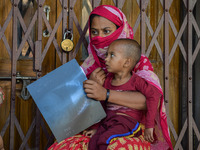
column 134, row 100
column 129, row 99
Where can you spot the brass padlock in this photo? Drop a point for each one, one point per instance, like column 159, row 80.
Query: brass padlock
column 67, row 44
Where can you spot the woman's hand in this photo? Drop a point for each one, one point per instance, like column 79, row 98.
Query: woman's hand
column 89, row 133
column 98, row 75
column 94, row 90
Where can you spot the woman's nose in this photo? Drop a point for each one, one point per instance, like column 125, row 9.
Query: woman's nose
column 101, row 34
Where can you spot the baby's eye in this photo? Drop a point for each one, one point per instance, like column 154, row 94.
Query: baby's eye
column 112, row 55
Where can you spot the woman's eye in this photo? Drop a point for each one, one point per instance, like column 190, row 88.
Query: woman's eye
column 107, row 31
column 112, row 55
column 94, row 32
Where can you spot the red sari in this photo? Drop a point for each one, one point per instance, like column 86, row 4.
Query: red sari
column 97, row 52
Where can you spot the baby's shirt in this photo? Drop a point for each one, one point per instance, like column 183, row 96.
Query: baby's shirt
column 139, row 84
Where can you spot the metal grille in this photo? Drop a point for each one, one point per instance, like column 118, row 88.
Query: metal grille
column 142, row 23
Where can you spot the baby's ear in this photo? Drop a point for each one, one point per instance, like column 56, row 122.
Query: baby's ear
column 128, row 63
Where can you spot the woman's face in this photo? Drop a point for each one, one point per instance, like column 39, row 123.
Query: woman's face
column 102, row 27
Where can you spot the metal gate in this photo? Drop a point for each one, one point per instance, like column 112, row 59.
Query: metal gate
column 67, row 19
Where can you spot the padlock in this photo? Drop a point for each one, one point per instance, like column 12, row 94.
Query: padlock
column 67, row 45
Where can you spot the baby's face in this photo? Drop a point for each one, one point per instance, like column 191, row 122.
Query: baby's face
column 115, row 58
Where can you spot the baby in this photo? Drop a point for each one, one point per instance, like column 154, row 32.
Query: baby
column 122, row 56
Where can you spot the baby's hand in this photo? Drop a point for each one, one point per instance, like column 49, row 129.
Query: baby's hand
column 148, row 135
column 89, row 133
column 98, row 75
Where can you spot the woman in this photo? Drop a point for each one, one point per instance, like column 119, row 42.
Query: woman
column 106, row 24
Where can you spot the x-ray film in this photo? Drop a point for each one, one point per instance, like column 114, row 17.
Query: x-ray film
column 61, row 99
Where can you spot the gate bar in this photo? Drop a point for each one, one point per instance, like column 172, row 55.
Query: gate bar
column 18, row 78
column 13, row 68
column 39, row 67
column 166, row 54
column 142, row 26
column 64, row 25
column 189, row 75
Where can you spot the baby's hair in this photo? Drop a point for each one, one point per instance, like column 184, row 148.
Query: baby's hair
column 132, row 49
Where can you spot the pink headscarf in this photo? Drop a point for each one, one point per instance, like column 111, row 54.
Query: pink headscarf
column 97, row 49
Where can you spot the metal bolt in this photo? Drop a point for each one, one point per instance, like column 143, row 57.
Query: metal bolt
column 166, row 101
column 166, row 10
column 40, row 5
column 65, row 7
column 190, row 10
column 143, row 9
column 18, row 74
column 71, row 8
column 166, row 78
column 190, row 101
column 14, row 74
column 15, row 5
column 190, row 78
